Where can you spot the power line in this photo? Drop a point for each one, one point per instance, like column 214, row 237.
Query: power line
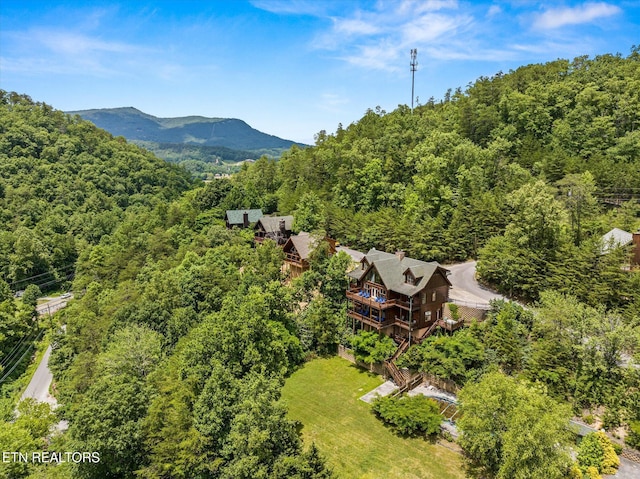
column 50, row 272
column 19, row 360
column 8, row 357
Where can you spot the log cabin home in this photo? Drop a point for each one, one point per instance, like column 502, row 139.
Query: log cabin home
column 398, row 296
column 241, row 218
column 276, row 228
column 298, row 248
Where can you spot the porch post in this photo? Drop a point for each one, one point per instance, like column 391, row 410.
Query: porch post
column 410, row 316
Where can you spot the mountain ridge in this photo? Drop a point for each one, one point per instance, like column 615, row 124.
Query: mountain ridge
column 136, row 125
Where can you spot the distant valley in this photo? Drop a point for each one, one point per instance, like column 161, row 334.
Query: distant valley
column 204, row 146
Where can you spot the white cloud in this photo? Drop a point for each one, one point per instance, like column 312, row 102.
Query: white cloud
column 421, row 6
column 380, row 35
column 291, row 7
column 430, row 27
column 71, row 43
column 67, row 52
column 559, row 17
column 381, row 56
column 355, row 26
column 332, row 102
column 494, row 10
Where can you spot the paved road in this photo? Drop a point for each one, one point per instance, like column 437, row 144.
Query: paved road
column 53, row 305
column 628, row 470
column 38, row 388
column 465, row 287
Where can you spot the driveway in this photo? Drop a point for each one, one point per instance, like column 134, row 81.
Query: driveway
column 465, row 287
column 628, row 470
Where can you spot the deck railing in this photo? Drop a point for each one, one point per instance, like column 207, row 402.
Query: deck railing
column 357, row 294
column 450, row 326
column 293, row 258
column 370, row 320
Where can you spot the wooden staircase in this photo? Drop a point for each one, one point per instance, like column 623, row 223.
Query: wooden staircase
column 402, row 378
column 404, row 345
column 428, row 332
column 396, row 374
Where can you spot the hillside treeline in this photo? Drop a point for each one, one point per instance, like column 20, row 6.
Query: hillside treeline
column 64, row 184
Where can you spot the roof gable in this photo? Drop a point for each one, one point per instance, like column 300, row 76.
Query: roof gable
column 392, row 269
column 303, row 242
column 271, row 224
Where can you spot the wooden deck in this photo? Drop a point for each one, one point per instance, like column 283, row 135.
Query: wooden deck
column 354, row 295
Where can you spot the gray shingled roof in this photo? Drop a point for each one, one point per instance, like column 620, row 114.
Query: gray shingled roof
column 271, row 224
column 391, row 270
column 236, row 217
column 615, row 238
column 304, row 243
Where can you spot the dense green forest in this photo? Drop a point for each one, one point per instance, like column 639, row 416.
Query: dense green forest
column 182, row 332
column 64, row 184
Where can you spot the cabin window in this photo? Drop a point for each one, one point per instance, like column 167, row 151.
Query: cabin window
column 375, row 292
column 434, row 295
column 373, row 277
column 423, row 298
column 427, row 316
column 409, row 279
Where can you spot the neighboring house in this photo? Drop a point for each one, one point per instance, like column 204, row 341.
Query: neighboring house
column 297, row 250
column 356, row 256
column 617, row 238
column 276, row 228
column 241, row 218
column 398, row 296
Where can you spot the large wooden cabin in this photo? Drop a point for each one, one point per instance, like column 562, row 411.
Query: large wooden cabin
column 398, row 296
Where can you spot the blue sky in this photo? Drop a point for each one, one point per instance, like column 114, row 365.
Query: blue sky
column 287, row 67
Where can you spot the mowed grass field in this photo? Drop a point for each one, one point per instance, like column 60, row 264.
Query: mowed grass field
column 323, row 396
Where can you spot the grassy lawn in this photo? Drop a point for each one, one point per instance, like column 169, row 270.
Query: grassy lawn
column 323, row 396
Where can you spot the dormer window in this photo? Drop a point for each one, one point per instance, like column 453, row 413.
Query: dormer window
column 408, row 278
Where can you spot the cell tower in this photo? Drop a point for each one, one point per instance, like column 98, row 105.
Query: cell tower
column 414, row 67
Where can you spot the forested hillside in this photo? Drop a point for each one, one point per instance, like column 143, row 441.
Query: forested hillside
column 64, row 185
column 174, row 350
column 512, row 171
column 524, row 171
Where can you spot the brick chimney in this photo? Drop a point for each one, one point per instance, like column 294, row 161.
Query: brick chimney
column 245, row 219
column 400, row 254
column 635, row 239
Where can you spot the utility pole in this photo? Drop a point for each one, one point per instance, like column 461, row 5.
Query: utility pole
column 414, row 67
